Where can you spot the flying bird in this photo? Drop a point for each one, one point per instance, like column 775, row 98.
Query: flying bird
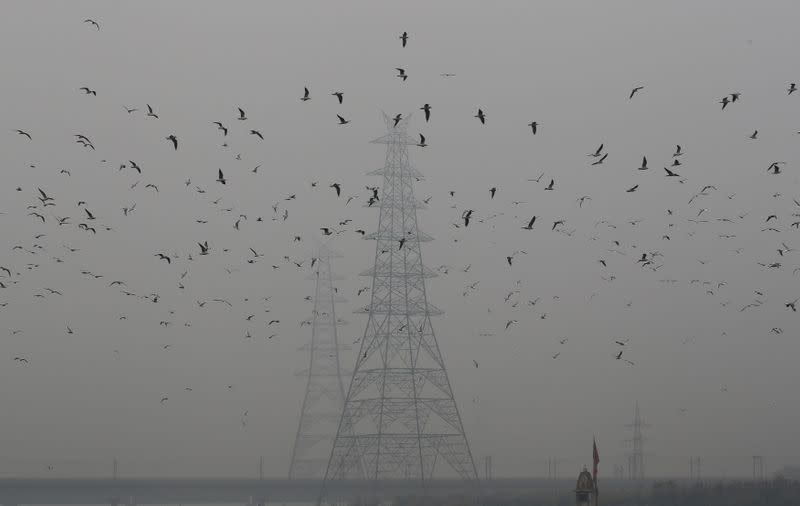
column 339, row 95
column 533, row 125
column 87, row 91
column 402, row 74
column 342, row 121
column 256, row 132
column 421, row 142
column 404, row 38
column 644, row 163
column 220, row 177
column 242, row 116
column 174, row 140
column 92, row 22
column 427, row 109
column 601, row 160
column 792, row 88
column 481, row 116
column 529, row 226
column 633, row 91
column 23, row 132
column 306, row 95
column 150, row 112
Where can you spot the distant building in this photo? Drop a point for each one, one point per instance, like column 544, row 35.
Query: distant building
column 585, row 490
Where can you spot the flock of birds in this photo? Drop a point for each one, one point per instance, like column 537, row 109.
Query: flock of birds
column 47, row 214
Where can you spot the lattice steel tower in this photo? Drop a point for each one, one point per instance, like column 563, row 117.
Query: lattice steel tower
column 324, row 398
column 400, row 417
column 636, row 457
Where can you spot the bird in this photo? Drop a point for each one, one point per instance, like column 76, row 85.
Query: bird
column 339, row 95
column 753, row 136
column 23, row 132
column 725, row 101
column 791, row 305
column 533, row 125
column 150, row 112
column 421, row 142
column 164, row 257
column 678, row 151
column 342, row 121
column 529, row 226
column 671, row 174
column 632, row 189
column 87, row 91
column 644, row 163
column 174, row 140
column 475, row 363
column 220, row 126
column 306, row 95
column 397, row 120
column 92, row 22
column 163, row 400
column 242, row 115
column 256, row 132
column 402, row 74
column 511, row 322
column 492, row 191
column 633, row 91
column 550, row 186
column 338, row 188
column 130, row 110
column 597, row 152
column 466, row 215
column 203, row 247
column 601, row 160
column 427, row 109
column 220, row 177
column 792, row 88
column 404, row 38
column 481, row 116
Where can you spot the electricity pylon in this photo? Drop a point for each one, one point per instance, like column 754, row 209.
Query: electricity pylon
column 636, row 457
column 400, row 417
column 324, row 398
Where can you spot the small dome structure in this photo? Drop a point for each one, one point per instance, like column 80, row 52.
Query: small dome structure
column 585, row 491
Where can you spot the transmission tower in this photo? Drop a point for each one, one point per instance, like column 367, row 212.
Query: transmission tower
column 636, row 458
column 400, row 417
column 324, row 398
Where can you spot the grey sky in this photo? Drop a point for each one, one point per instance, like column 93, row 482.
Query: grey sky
column 714, row 381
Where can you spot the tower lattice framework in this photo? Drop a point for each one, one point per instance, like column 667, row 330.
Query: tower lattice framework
column 324, row 397
column 636, row 457
column 400, row 418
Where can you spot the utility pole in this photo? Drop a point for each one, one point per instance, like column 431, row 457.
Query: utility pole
column 324, row 397
column 487, row 464
column 400, row 408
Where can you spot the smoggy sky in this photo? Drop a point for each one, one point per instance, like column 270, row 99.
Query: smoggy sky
column 713, row 381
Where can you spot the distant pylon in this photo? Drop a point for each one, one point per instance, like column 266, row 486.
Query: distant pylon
column 324, row 397
column 636, row 457
column 400, row 416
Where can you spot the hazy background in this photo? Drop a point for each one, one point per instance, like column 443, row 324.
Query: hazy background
column 713, row 381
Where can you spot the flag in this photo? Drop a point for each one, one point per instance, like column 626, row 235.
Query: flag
column 595, row 459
